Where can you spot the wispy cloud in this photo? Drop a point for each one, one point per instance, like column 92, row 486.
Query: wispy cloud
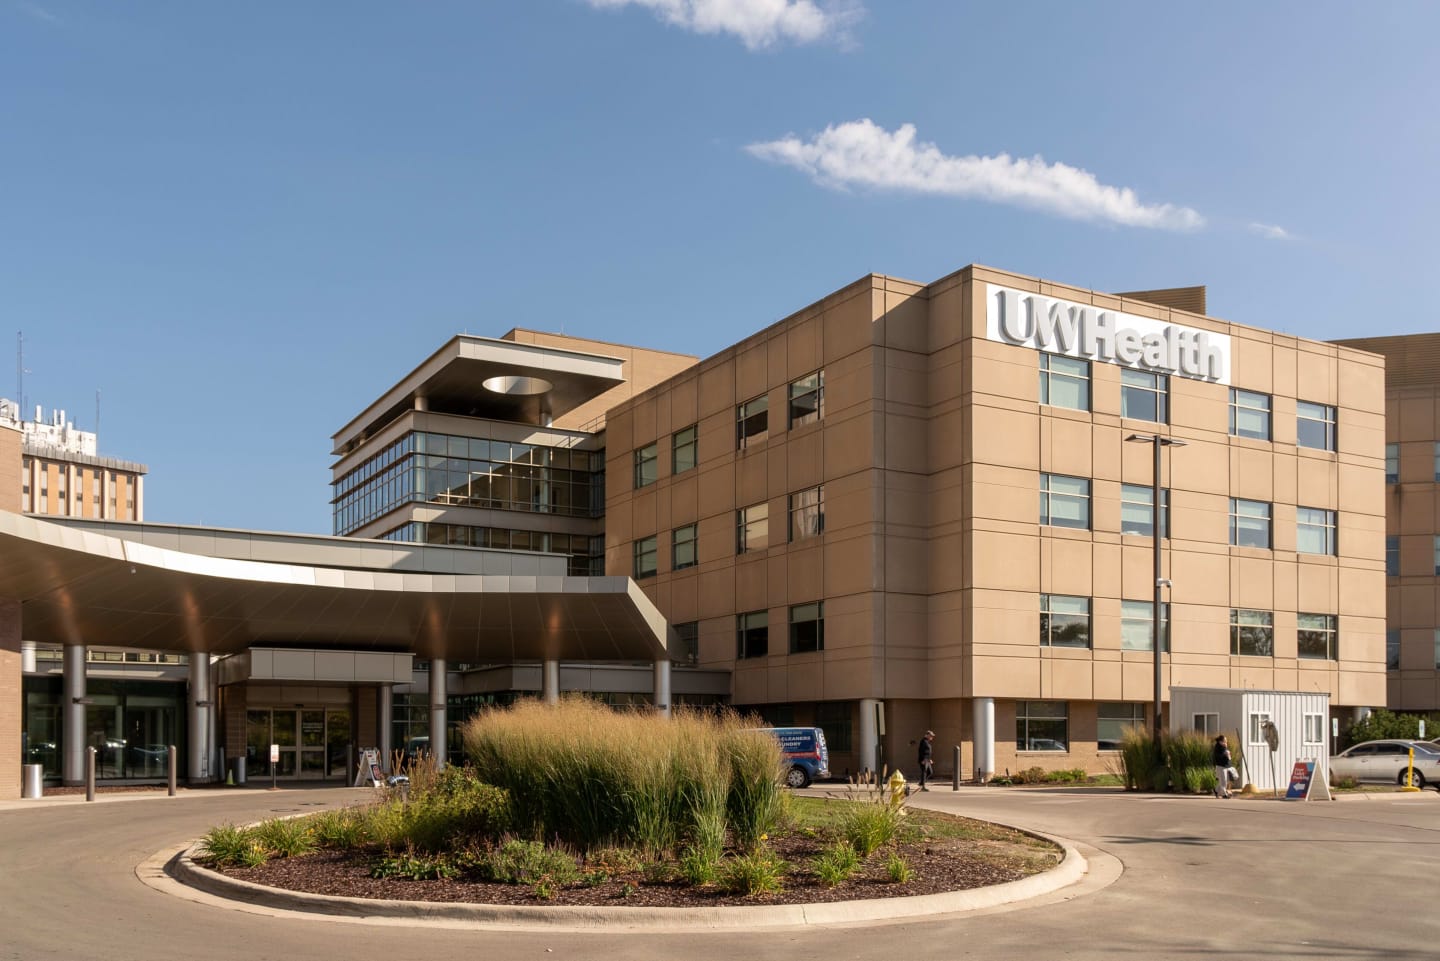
column 37, row 12
column 758, row 23
column 862, row 153
column 1271, row 231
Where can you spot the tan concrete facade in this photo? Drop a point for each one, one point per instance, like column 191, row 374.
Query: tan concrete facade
column 10, row 696
column 1412, row 433
column 931, row 565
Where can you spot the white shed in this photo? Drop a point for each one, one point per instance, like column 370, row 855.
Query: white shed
column 1301, row 721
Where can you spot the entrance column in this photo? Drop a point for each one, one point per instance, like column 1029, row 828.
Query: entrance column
column 869, row 733
column 197, row 766
column 384, row 703
column 550, row 682
column 438, row 746
column 27, row 657
column 662, row 687
column 984, row 738
column 12, row 698
column 72, row 727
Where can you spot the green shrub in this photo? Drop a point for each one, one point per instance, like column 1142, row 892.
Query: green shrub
column 615, row 860
column 413, row 867
column 897, row 869
column 227, row 844
column 339, row 830
column 698, row 867
column 836, row 863
column 758, row 871
column 1072, row 775
column 701, row 857
column 525, row 862
column 1188, row 761
column 871, row 825
column 1137, row 759
column 1031, row 775
column 285, row 837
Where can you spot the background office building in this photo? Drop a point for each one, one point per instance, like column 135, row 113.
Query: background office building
column 1412, row 532
column 63, row 475
column 921, row 497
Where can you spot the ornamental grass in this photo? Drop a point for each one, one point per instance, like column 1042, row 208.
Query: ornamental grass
column 594, row 777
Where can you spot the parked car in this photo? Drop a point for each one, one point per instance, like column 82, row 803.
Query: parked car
column 806, row 756
column 1387, row 761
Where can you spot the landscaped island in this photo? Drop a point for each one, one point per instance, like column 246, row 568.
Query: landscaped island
column 576, row 804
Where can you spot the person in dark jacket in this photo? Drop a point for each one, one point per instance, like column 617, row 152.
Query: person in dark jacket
column 927, row 759
column 1220, row 757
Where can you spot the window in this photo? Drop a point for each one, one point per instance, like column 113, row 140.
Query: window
column 1042, row 726
column 1249, row 414
column 807, row 627
column 682, row 547
column 807, row 399
column 1258, row 723
column 645, row 553
column 1252, row 633
column 752, row 528
column 752, row 634
column 1137, row 510
column 687, row 643
column 1137, row 626
column 1206, row 723
column 1314, row 425
column 1392, row 463
column 1392, row 556
column 752, row 421
column 1064, row 382
column 682, row 450
column 1436, row 646
column 1065, row 501
column 1144, row 395
column 1064, row 621
column 1316, row 636
column 1315, row 531
column 1437, row 461
column 1249, row 523
column 807, row 513
column 1437, row 555
column 1113, row 720
column 1392, row 650
column 1314, row 729
column 834, row 718
column 647, row 465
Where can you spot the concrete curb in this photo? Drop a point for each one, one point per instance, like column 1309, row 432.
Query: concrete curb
column 180, row 866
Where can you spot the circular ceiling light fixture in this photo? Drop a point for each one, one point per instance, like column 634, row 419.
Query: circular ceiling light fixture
column 513, row 386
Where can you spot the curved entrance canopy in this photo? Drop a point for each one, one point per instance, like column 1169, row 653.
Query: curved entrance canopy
column 170, row 588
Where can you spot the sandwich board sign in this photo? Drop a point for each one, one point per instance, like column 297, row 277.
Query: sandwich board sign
column 369, row 768
column 1304, row 785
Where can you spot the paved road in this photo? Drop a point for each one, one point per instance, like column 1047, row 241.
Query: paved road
column 1201, row 878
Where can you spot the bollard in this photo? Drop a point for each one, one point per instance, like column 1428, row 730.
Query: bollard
column 170, row 768
column 89, row 774
column 955, row 778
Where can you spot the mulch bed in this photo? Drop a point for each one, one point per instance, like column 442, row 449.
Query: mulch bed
column 936, row 865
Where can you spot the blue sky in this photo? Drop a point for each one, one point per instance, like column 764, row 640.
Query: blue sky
column 242, row 222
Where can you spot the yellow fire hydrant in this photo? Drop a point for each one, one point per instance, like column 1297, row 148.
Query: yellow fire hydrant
column 897, row 789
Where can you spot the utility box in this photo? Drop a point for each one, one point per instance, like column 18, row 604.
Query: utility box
column 1298, row 722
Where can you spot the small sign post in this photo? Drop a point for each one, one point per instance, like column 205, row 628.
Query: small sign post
column 274, row 763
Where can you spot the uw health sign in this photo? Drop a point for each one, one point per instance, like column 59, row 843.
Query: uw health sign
column 1108, row 336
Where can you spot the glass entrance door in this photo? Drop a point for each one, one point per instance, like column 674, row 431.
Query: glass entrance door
column 314, row 742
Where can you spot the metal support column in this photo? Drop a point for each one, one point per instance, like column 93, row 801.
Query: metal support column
column 384, row 718
column 439, row 746
column 197, row 765
column 550, row 682
column 662, row 687
column 72, row 727
column 869, row 734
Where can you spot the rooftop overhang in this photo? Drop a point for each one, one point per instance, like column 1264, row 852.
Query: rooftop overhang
column 491, row 378
column 80, row 587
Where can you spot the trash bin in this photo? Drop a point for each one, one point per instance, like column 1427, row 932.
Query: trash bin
column 237, row 769
column 33, row 780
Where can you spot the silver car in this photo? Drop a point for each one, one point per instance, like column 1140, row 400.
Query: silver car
column 1388, row 761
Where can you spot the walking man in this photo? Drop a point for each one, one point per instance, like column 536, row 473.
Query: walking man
column 1220, row 757
column 927, row 759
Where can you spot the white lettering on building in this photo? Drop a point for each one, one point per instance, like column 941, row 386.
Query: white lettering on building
column 1094, row 333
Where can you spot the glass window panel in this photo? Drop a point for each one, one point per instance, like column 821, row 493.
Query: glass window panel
column 753, row 634
column 645, row 556
column 753, row 528
column 1392, row 463
column 1314, row 425
column 1249, row 414
column 1113, row 720
column 1064, row 621
column 1064, row 382
column 1315, row 636
column 682, row 547
column 683, row 450
column 1136, row 625
column 807, row 399
column 1249, row 523
column 1314, row 530
column 807, row 628
column 1252, row 633
column 1392, row 556
column 1042, row 726
column 753, row 421
column 1144, row 395
column 807, row 513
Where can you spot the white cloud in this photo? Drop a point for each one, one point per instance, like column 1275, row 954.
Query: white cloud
column 1270, row 231
column 758, row 23
column 861, row 153
column 37, row 12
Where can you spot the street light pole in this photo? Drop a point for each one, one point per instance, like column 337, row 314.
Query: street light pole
column 1157, row 531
